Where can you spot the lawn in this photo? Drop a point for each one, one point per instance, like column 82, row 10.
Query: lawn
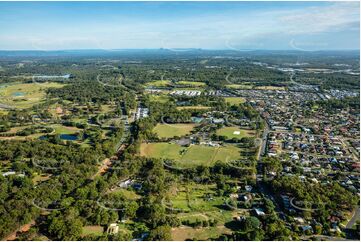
column 239, row 86
column 131, row 195
column 184, row 233
column 25, row 95
column 95, row 230
column 193, row 107
column 158, row 83
column 171, row 130
column 270, row 88
column 235, row 100
column 190, row 156
column 60, row 129
column 232, row 132
column 190, row 83
column 159, row 98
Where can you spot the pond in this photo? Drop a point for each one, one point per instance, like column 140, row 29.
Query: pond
column 71, row 137
column 68, row 137
column 17, row 94
column 196, row 119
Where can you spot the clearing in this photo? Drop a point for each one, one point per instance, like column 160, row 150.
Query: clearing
column 171, row 130
column 190, row 156
column 25, row 95
column 235, row 100
column 235, row 132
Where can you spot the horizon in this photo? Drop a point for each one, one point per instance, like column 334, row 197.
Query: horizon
column 175, row 49
column 239, row 26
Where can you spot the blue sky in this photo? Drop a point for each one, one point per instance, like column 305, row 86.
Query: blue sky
column 209, row 25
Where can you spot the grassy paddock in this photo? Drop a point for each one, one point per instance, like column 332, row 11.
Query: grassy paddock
column 159, row 98
column 193, row 107
column 229, row 132
column 270, row 88
column 25, row 95
column 190, row 83
column 158, row 83
column 171, row 130
column 94, row 229
column 190, row 156
column 235, row 100
column 239, row 86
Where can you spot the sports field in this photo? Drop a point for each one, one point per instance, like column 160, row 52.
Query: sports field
column 190, row 83
column 61, row 129
column 159, row 98
column 171, row 130
column 24, row 95
column 235, row 100
column 193, row 107
column 239, row 86
column 235, row 132
column 158, row 83
column 190, row 156
column 270, row 88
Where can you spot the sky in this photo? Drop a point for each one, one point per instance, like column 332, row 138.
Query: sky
column 305, row 26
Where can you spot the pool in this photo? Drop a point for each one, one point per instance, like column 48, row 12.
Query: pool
column 17, row 94
column 71, row 137
column 196, row 119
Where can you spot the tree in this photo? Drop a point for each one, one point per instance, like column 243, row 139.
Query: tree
column 251, row 223
column 269, row 206
column 161, row 233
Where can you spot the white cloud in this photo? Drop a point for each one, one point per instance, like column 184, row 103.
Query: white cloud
column 336, row 17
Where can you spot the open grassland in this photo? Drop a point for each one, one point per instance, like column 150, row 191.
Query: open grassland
column 92, row 230
column 159, row 98
column 60, row 129
column 239, row 86
column 270, row 88
column 199, row 202
column 171, row 130
column 188, row 233
column 190, row 83
column 231, row 132
column 190, row 156
column 25, row 95
column 130, row 195
column 235, row 100
column 193, row 107
column 158, row 83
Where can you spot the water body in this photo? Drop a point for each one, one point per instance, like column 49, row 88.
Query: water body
column 197, row 119
column 71, row 137
column 67, row 76
column 17, row 94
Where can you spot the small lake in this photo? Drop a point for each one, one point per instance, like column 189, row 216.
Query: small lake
column 197, row 119
column 18, row 94
column 71, row 137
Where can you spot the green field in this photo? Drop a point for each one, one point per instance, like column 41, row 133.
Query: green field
column 270, row 88
column 159, row 98
column 239, row 86
column 130, row 195
column 94, row 230
column 158, row 83
column 190, row 156
column 25, row 95
column 190, row 83
column 60, row 129
column 229, row 132
column 171, row 130
column 235, row 100
column 193, row 107
column 192, row 199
